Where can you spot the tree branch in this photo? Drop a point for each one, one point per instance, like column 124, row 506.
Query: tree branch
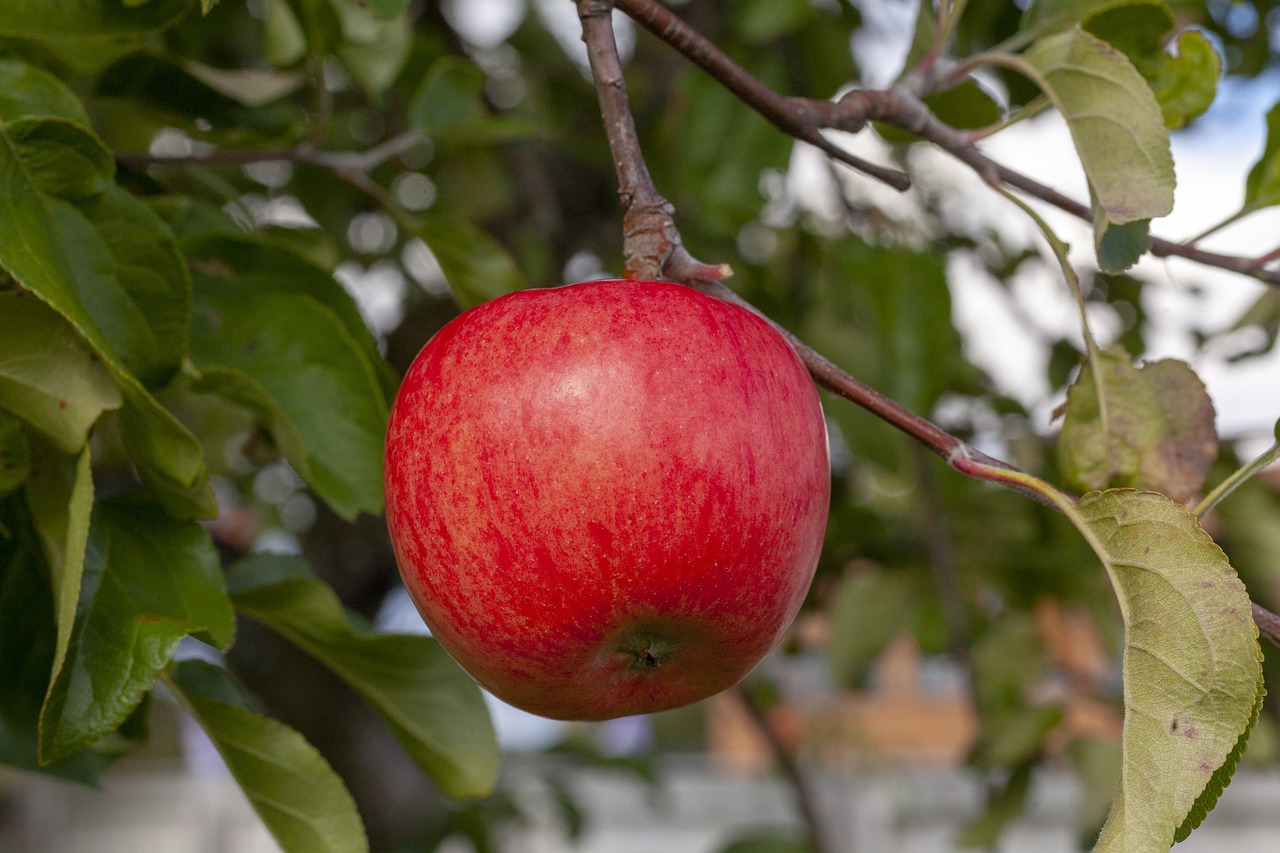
column 656, row 252
column 959, row 454
column 652, row 246
column 361, row 161
column 790, row 769
column 1268, row 623
column 793, row 116
column 804, row 119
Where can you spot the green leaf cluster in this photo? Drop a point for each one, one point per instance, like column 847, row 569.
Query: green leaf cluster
column 138, row 324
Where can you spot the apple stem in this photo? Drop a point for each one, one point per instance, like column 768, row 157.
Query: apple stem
column 651, row 244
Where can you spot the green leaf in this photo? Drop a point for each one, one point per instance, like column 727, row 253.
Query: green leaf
column 870, row 608
column 1097, row 764
column 1264, row 315
column 1191, row 661
column 1012, row 735
column 1119, row 247
column 169, row 459
column 1114, row 120
column 90, row 20
column 149, row 580
column 256, row 263
column 60, row 500
column 387, row 9
column 147, row 318
column 55, row 176
column 374, row 47
column 15, row 456
column 1007, row 660
column 291, row 361
column 966, row 107
column 1005, row 807
column 286, row 42
column 435, row 710
column 724, row 182
column 318, row 23
column 1148, row 427
column 1183, row 76
column 450, row 98
column 88, row 35
column 476, row 265
column 1185, row 82
column 27, row 640
column 1135, row 28
column 1044, row 16
column 1262, row 188
column 299, row 797
column 250, row 87
column 143, row 94
column 760, row 21
column 48, row 377
column 450, row 106
column 27, row 91
column 191, row 218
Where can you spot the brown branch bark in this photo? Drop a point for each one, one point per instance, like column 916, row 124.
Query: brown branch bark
column 793, row 116
column 652, row 244
column 1268, row 623
column 805, row 801
column 805, row 118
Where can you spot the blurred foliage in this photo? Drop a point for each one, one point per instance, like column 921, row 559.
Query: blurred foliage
column 495, row 176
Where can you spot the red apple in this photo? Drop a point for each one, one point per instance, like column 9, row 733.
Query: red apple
column 607, row 498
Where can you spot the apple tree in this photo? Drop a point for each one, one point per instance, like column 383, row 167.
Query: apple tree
column 229, row 225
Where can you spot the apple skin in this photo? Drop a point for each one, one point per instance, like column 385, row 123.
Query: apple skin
column 607, row 498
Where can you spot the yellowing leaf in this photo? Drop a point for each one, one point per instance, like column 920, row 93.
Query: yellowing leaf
column 1150, row 427
column 1191, row 663
column 1115, row 122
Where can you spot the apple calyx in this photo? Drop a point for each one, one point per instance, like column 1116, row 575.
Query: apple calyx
column 646, row 651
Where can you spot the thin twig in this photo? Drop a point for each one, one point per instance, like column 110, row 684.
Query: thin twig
column 804, row 118
column 363, row 161
column 324, row 106
column 793, row 116
column 805, row 800
column 1269, row 257
column 959, row 454
column 1268, row 623
column 943, row 564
